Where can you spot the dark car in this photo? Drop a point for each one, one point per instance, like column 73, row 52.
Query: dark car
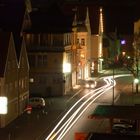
column 121, row 128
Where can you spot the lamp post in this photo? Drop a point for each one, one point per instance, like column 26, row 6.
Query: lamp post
column 113, row 86
column 136, row 81
column 114, row 43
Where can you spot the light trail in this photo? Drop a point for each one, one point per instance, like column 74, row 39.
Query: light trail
column 58, row 133
column 71, row 110
column 78, row 110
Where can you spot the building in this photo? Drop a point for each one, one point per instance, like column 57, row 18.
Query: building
column 84, row 43
column 14, row 83
column 51, row 52
column 9, row 77
column 13, row 77
column 23, row 76
column 89, row 38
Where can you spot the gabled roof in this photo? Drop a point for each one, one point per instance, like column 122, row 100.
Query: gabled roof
column 18, row 44
column 51, row 20
column 80, row 11
column 81, row 17
column 4, row 44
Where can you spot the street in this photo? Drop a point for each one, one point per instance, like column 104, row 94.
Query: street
column 38, row 124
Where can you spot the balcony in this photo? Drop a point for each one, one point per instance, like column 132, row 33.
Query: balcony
column 37, row 48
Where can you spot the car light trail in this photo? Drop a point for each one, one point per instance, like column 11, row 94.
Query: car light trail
column 67, row 127
column 67, row 122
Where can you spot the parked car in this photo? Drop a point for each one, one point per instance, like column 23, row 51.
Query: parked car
column 37, row 102
column 121, row 128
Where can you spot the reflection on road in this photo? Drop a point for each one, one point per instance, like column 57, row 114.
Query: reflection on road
column 75, row 112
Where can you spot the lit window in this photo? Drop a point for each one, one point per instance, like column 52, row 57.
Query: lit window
column 3, row 105
column 123, row 53
column 31, row 80
column 22, row 84
column 66, row 67
column 82, row 55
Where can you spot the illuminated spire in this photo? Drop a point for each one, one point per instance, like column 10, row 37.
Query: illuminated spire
column 28, row 5
column 101, row 26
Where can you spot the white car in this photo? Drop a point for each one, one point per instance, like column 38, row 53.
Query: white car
column 90, row 84
column 37, row 102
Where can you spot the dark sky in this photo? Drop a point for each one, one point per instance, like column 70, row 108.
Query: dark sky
column 121, row 18
column 119, row 14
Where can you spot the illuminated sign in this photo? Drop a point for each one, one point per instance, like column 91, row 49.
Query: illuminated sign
column 3, row 105
column 66, row 67
column 123, row 42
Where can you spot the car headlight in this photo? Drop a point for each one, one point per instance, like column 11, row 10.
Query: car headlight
column 92, row 86
column 87, row 85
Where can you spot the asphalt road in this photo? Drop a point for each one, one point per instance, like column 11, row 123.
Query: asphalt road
column 39, row 123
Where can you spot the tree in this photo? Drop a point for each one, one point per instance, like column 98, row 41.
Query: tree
column 132, row 64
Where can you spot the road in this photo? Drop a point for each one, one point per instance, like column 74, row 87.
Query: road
column 76, row 117
column 38, row 125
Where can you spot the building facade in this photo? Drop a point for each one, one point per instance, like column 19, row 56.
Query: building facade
column 14, row 68
column 51, row 52
column 14, row 75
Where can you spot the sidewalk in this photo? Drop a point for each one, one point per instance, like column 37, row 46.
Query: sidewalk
column 39, row 122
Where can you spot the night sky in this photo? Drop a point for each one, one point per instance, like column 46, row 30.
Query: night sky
column 118, row 14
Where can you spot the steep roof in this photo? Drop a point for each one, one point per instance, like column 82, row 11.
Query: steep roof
column 18, row 44
column 4, row 44
column 81, row 17
column 80, row 11
column 51, row 19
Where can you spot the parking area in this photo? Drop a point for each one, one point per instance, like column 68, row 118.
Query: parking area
column 38, row 123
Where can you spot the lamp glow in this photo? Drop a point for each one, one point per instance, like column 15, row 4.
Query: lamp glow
column 123, row 42
column 136, row 81
column 3, row 105
column 66, row 67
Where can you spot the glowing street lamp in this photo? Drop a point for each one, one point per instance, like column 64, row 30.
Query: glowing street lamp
column 66, row 68
column 136, row 81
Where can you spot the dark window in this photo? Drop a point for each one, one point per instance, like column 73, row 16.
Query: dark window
column 83, row 42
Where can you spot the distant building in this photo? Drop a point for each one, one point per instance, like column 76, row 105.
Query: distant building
column 89, row 38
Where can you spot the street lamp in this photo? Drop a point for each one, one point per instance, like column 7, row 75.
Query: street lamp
column 136, row 81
